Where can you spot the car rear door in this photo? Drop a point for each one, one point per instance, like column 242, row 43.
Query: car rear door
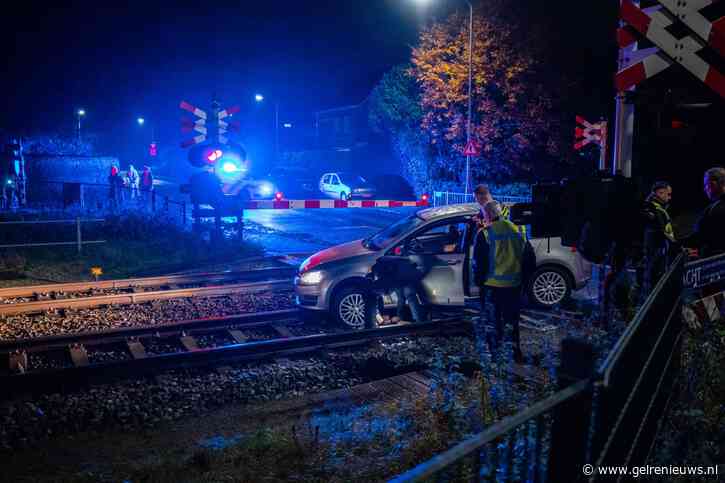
column 325, row 183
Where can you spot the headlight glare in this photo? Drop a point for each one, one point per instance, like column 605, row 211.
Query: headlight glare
column 311, row 278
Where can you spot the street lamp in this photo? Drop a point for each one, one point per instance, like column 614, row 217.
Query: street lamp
column 470, row 83
column 80, row 113
column 260, row 98
column 152, row 147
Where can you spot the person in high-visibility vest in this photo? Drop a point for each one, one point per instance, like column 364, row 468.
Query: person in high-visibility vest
column 498, row 266
column 483, row 195
column 658, row 234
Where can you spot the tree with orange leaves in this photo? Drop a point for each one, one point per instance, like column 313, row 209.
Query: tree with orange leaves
column 513, row 122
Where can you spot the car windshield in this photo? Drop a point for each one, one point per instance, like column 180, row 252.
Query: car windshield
column 384, row 237
column 352, row 179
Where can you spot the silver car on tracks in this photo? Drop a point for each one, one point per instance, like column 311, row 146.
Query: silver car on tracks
column 333, row 281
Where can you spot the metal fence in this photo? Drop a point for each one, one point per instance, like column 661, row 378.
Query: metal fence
column 78, row 242
column 600, row 417
column 442, row 198
column 102, row 199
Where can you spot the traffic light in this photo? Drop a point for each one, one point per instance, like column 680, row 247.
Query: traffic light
column 153, row 150
column 215, row 154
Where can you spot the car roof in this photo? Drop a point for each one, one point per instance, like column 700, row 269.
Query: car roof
column 462, row 209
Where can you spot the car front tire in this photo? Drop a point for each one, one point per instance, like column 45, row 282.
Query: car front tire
column 349, row 307
column 343, row 195
column 549, row 286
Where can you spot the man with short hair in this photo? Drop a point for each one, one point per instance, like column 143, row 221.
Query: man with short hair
column 498, row 265
column 483, row 195
column 658, row 234
column 709, row 235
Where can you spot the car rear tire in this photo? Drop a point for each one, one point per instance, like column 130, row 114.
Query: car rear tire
column 349, row 307
column 549, row 286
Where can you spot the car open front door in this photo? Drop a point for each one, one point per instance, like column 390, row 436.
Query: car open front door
column 439, row 250
column 469, row 280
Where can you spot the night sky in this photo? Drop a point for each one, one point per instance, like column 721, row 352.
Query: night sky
column 143, row 58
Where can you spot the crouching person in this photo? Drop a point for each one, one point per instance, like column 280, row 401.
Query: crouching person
column 399, row 274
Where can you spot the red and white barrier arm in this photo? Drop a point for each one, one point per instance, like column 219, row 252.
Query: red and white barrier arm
column 323, row 204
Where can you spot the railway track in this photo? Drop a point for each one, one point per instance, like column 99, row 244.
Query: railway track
column 253, row 281
column 7, row 294
column 20, row 377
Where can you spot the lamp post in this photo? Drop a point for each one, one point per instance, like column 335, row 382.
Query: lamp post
column 260, row 98
column 79, row 114
column 470, row 87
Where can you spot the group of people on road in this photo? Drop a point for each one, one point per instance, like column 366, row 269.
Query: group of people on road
column 138, row 187
column 660, row 242
column 503, row 258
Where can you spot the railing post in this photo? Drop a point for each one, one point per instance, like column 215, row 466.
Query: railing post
column 183, row 211
column 166, row 203
column 153, row 200
column 78, row 234
column 570, row 425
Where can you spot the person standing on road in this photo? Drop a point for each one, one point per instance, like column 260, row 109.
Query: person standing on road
column 114, row 183
column 133, row 181
column 498, row 266
column 147, row 184
column 658, row 234
column 709, row 234
column 483, row 195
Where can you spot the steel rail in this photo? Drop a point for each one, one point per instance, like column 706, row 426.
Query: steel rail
column 31, row 290
column 134, row 298
column 38, row 344
column 61, row 379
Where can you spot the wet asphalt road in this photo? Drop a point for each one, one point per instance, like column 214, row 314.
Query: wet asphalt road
column 309, row 230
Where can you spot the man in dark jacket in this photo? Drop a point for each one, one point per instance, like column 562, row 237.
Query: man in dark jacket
column 709, row 235
column 402, row 275
column 658, row 234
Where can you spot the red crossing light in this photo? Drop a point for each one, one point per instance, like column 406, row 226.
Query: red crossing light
column 424, row 197
column 278, row 196
column 214, row 156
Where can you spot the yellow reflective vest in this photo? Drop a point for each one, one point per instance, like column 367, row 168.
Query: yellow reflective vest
column 505, row 254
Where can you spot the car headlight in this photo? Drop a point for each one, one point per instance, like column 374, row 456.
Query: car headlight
column 311, row 278
column 266, row 189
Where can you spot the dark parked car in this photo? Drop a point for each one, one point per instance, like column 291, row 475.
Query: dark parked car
column 293, row 183
column 393, row 187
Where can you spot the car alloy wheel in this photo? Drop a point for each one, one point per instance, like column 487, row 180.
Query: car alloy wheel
column 352, row 310
column 549, row 287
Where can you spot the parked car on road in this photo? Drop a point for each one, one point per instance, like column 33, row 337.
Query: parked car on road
column 293, row 183
column 345, row 186
column 333, row 280
column 393, row 187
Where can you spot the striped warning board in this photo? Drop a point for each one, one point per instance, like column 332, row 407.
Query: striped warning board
column 707, row 310
column 654, row 25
